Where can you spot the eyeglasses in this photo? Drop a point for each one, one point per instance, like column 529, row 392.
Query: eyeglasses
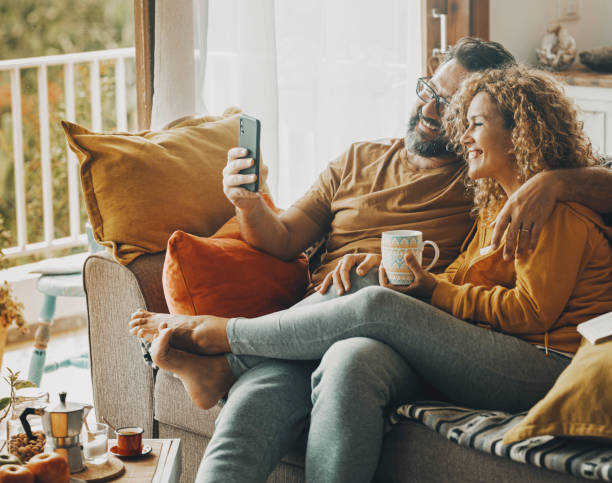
column 427, row 93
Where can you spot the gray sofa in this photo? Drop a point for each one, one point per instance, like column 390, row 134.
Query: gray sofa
column 128, row 392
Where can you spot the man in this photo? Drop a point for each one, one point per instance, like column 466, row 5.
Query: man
column 413, row 183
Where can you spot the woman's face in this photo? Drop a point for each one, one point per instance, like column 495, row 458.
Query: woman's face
column 489, row 144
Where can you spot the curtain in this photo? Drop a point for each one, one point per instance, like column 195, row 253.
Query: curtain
column 319, row 74
column 179, row 61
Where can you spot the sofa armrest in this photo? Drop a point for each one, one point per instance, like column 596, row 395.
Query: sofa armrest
column 122, row 382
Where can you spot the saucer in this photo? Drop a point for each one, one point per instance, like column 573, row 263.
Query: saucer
column 116, row 452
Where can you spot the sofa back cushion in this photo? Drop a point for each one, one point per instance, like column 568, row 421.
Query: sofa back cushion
column 141, row 187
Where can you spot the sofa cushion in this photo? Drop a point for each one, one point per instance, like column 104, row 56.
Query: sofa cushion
column 483, row 430
column 412, row 452
column 141, row 187
column 223, row 275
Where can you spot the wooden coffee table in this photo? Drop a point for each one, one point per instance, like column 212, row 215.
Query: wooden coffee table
column 162, row 465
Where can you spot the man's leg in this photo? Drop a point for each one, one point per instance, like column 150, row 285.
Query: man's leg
column 266, row 411
column 356, row 383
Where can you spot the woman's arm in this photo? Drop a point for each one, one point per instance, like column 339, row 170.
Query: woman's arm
column 545, row 280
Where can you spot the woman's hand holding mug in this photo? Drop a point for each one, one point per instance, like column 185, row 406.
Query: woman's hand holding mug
column 402, row 255
column 423, row 284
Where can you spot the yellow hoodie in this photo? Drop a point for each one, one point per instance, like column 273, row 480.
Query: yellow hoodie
column 541, row 297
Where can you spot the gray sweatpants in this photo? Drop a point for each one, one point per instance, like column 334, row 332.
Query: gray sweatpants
column 467, row 364
column 342, row 404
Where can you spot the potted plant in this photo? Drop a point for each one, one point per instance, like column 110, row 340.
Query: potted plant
column 11, row 311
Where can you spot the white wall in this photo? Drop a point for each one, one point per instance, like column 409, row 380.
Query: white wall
column 520, row 24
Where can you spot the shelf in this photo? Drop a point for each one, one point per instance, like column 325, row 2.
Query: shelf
column 579, row 75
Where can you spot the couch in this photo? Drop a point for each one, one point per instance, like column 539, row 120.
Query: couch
column 128, row 392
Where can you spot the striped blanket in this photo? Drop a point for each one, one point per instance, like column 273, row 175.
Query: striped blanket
column 484, row 430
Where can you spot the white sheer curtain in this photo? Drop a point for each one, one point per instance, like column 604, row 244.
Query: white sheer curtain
column 179, row 60
column 320, row 74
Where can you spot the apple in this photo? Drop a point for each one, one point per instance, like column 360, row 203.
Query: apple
column 49, row 468
column 15, row 474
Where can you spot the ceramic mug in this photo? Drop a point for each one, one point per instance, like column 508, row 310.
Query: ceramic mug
column 129, row 440
column 394, row 246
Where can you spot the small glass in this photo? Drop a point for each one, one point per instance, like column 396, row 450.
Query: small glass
column 95, row 443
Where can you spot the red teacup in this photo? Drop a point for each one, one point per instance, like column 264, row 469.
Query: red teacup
column 129, row 440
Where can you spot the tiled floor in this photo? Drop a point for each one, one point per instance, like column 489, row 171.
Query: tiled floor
column 76, row 382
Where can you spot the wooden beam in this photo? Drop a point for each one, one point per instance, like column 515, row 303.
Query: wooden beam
column 480, row 19
column 458, row 20
column 144, row 24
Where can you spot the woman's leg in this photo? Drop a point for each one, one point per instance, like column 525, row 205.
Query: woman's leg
column 467, row 364
column 240, row 364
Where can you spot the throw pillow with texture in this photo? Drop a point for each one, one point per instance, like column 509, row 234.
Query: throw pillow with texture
column 225, row 276
column 580, row 402
column 141, row 187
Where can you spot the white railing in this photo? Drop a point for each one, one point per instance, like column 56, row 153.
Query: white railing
column 68, row 61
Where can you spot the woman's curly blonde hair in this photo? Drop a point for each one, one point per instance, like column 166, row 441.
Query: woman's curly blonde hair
column 545, row 130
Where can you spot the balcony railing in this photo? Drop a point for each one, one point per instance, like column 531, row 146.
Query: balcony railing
column 77, row 237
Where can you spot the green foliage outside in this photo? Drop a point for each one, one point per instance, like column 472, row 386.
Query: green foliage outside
column 33, row 28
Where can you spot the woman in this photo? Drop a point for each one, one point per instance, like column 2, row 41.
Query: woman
column 497, row 333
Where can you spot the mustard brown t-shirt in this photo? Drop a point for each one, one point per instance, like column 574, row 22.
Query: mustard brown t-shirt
column 372, row 188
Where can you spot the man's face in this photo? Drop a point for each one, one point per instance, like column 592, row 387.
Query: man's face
column 425, row 135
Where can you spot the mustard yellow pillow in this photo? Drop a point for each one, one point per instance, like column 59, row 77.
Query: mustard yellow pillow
column 141, row 187
column 580, row 402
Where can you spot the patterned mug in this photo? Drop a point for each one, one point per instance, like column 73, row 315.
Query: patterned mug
column 394, row 246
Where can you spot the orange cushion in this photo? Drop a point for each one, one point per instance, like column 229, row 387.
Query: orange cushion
column 225, row 276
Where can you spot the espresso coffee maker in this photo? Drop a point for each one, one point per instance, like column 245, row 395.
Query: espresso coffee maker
column 62, row 425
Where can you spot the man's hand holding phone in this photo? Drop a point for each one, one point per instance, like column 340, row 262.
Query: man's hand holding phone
column 239, row 196
column 241, row 174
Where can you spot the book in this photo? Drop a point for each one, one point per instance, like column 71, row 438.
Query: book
column 598, row 329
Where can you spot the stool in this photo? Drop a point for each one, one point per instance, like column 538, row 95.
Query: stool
column 68, row 284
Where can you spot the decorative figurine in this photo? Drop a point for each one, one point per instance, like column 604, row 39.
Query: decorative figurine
column 558, row 49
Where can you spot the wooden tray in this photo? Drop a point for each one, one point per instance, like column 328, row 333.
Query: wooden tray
column 110, row 470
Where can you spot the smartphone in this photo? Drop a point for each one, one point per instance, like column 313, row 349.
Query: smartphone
column 250, row 130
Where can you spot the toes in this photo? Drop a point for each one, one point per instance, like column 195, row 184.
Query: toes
column 139, row 319
column 139, row 313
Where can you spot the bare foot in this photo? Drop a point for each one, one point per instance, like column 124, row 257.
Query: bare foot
column 200, row 334
column 206, row 378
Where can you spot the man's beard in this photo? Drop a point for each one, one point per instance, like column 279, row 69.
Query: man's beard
column 415, row 143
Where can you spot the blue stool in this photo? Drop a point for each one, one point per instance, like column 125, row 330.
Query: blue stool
column 68, row 284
